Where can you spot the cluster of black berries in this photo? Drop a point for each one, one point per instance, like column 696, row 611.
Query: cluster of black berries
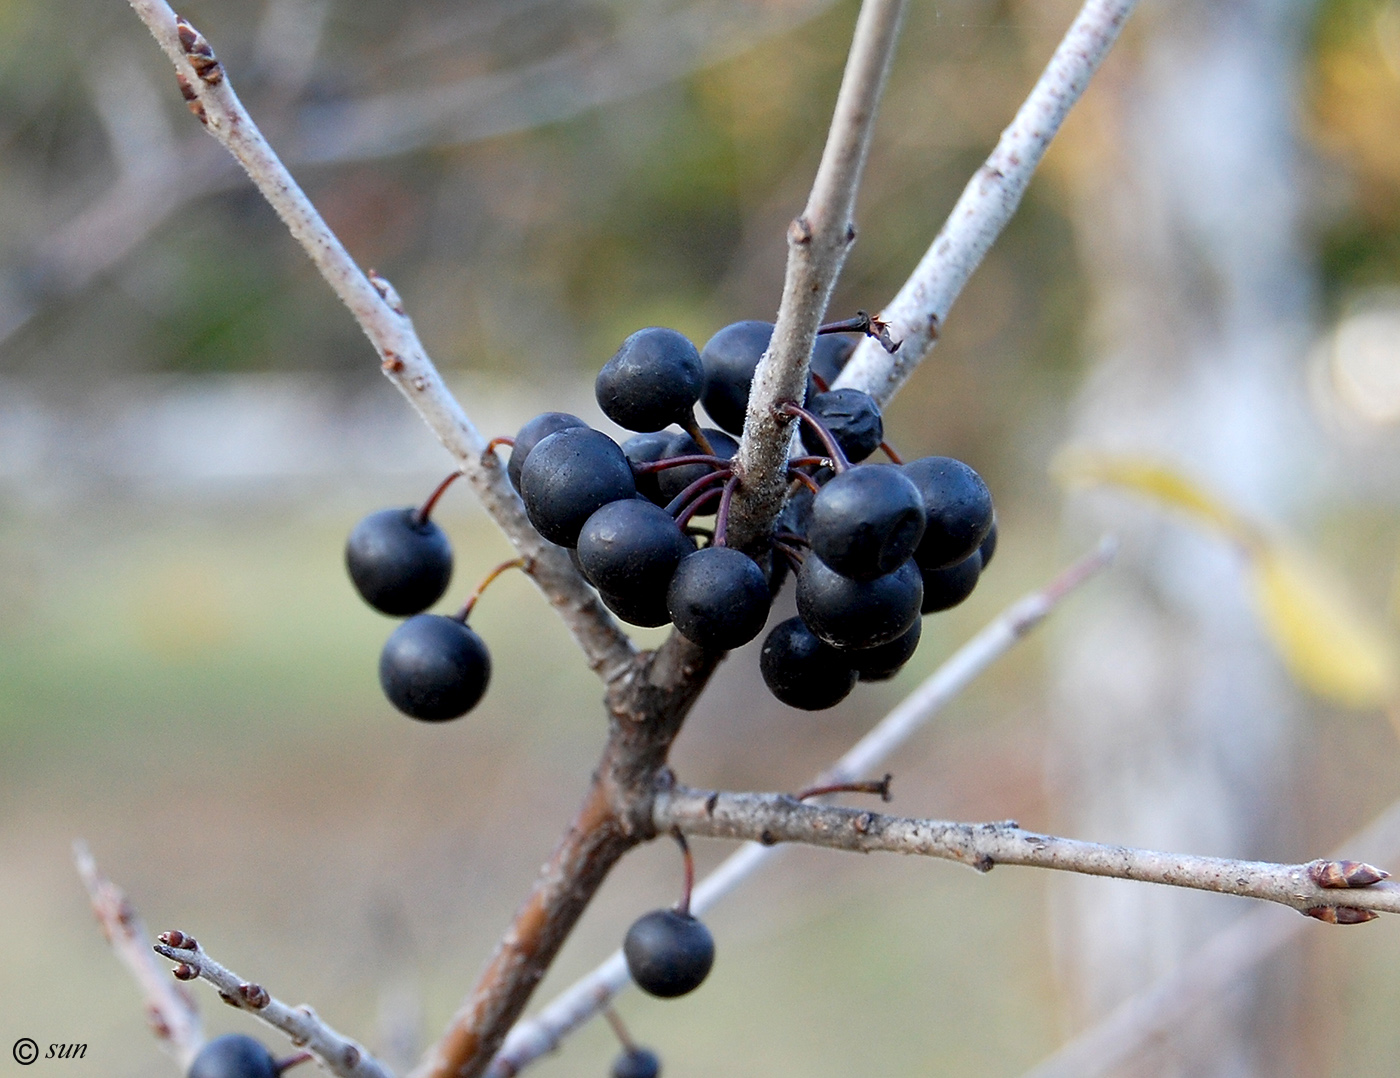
column 872, row 546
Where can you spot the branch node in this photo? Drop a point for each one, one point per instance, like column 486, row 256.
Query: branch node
column 800, row 231
column 254, row 995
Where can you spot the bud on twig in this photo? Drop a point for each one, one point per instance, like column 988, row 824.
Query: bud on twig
column 202, row 58
column 1343, row 874
column 178, row 940
column 1341, row 915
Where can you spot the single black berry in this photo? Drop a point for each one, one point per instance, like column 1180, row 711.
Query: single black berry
column 399, row 563
column 718, row 598
column 637, row 1062
column 957, row 506
column 730, row 358
column 568, row 477
column 655, row 379
column 233, row 1055
column 989, row 544
column 646, row 609
column 831, row 354
column 866, row 521
column 801, row 670
column 434, row 668
column 850, row 613
column 668, row 953
column 883, row 662
column 632, row 547
column 531, row 434
column 852, row 417
column 945, row 588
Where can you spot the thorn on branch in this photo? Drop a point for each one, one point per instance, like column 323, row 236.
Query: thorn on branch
column 881, row 787
column 1341, row 915
column 1345, row 874
column 206, row 65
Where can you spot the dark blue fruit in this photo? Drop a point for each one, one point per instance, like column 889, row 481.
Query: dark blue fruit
column 647, row 449
column 671, row 481
column 831, row 354
column 730, row 358
column 531, row 434
column 801, row 670
column 945, row 588
column 957, row 507
column 233, row 1056
column 637, row 1062
column 718, row 598
column 399, row 565
column 989, row 544
column 854, row 420
column 668, row 953
column 568, row 477
column 434, row 668
column 882, row 663
column 655, row 379
column 632, row 547
column 853, row 614
column 866, row 521
column 647, row 609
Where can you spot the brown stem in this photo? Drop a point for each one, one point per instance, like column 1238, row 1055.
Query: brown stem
column 496, row 443
column 890, row 452
column 691, row 427
column 618, row 1028
column 833, row 447
column 701, row 502
column 420, row 515
column 806, row 480
column 505, row 566
column 291, row 1061
column 683, row 906
column 676, row 504
column 676, row 462
column 881, row 787
column 722, row 518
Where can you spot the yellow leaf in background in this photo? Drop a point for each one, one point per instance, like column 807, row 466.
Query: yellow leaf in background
column 1329, row 645
column 1160, row 482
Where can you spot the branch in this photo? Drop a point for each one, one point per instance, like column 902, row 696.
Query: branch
column 377, row 309
column 987, row 204
column 1338, row 892
column 818, row 242
column 169, row 1008
column 1109, row 1044
column 338, row 1054
column 589, row 995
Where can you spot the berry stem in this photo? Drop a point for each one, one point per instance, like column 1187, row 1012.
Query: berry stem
column 697, row 435
column 722, row 517
column 791, row 553
column 792, row 539
column 882, row 787
column 833, row 448
column 821, row 383
column 865, row 323
column 683, row 906
column 891, row 453
column 676, row 462
column 505, row 566
column 291, row 1061
column 694, row 507
column 810, row 462
column 616, row 1022
column 496, row 443
column 420, row 515
column 675, row 505
column 805, row 479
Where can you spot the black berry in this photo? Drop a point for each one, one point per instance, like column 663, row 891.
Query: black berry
column 801, row 670
column 531, row 434
column 850, row 613
column 831, row 354
column 637, row 1063
column 655, row 379
column 233, row 1055
column 957, row 506
column 853, row 418
column 631, row 547
column 718, row 598
column 945, row 588
column 647, row 609
column 668, row 953
column 434, row 668
column 882, row 663
column 866, row 521
column 730, row 358
column 989, row 544
column 399, row 564
column 568, row 477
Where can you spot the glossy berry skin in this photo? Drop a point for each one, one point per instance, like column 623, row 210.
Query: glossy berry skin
column 855, row 614
column 637, row 1063
column 854, row 420
column 718, row 598
column 568, row 477
column 233, row 1056
column 399, row 565
column 729, row 359
column 671, row 481
column 882, row 663
column 434, row 668
column 867, row 521
column 531, row 434
column 655, row 379
column 958, row 510
column 632, row 547
column 668, row 953
column 945, row 588
column 801, row 670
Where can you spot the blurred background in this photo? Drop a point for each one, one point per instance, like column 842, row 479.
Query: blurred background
column 1204, row 273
